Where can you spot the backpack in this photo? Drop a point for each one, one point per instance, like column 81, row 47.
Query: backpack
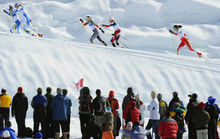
column 102, row 105
column 28, row 132
column 85, row 102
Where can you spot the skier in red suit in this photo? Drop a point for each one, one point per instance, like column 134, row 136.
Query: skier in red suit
column 184, row 40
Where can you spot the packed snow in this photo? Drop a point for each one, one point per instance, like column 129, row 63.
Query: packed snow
column 64, row 55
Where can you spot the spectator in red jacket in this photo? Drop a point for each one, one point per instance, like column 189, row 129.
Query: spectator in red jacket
column 131, row 112
column 168, row 128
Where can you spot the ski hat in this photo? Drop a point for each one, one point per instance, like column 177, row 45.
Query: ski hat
column 6, row 134
column 38, row 135
column 159, row 96
column 10, row 7
column 177, row 26
column 111, row 93
column 20, row 90
column 193, row 96
column 111, row 19
column 201, row 105
column 3, row 90
column 175, row 94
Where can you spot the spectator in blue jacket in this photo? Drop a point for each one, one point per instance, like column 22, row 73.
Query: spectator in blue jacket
column 59, row 111
column 39, row 103
column 8, row 132
column 69, row 105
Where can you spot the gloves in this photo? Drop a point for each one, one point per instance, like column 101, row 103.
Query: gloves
column 4, row 11
column 170, row 31
column 102, row 30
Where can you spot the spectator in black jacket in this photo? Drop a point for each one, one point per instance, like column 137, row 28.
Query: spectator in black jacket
column 188, row 118
column 49, row 120
column 19, row 110
column 175, row 99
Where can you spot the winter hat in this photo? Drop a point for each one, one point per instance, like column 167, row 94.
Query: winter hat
column 175, row 94
column 159, row 96
column 177, row 26
column 111, row 93
column 201, row 105
column 130, row 91
column 85, row 90
column 38, row 135
column 153, row 94
column 20, row 90
column 3, row 90
column 65, row 92
column 211, row 101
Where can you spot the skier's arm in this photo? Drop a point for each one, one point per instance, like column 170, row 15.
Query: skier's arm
column 105, row 25
column 6, row 12
column 173, row 32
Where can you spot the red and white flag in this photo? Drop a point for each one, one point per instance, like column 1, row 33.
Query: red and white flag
column 79, row 84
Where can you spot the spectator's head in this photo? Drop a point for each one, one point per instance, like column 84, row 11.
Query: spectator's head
column 39, row 90
column 3, row 90
column 109, row 126
column 167, row 113
column 129, row 125
column 159, row 97
column 175, row 94
column 98, row 92
column 193, row 96
column 38, row 135
column 49, row 89
column 211, row 100
column 8, row 124
column 65, row 92
column 153, row 94
column 136, row 123
column 85, row 90
column 20, row 90
column 130, row 91
column 111, row 93
column 59, row 90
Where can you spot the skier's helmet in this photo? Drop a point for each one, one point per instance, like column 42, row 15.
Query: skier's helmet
column 111, row 19
column 16, row 5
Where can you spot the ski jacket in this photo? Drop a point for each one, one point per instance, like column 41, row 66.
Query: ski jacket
column 142, row 113
column 50, row 98
column 11, row 132
column 91, row 24
column 190, row 108
column 39, row 101
column 59, row 107
column 13, row 14
column 5, row 100
column 114, row 25
column 179, row 33
column 213, row 111
column 131, row 112
column 162, row 109
column 200, row 118
column 22, row 15
column 69, row 105
column 168, row 128
column 114, row 105
column 19, row 104
column 179, row 118
column 99, row 105
column 154, row 110
column 107, row 135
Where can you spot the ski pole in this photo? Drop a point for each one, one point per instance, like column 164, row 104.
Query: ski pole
column 173, row 43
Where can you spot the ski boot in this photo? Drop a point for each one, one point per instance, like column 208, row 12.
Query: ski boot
column 40, row 35
column 199, row 54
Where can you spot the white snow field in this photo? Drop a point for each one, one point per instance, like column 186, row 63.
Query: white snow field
column 64, row 55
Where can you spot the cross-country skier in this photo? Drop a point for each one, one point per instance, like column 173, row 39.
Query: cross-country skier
column 16, row 26
column 24, row 19
column 94, row 29
column 183, row 39
column 116, row 34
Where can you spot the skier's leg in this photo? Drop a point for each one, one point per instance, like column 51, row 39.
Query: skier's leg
column 182, row 44
column 98, row 37
column 117, row 39
column 94, row 35
column 188, row 45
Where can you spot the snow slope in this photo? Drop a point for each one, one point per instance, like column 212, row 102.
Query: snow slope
column 143, row 22
column 32, row 63
column 63, row 56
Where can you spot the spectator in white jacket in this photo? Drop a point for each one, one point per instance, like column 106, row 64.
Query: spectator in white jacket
column 154, row 115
